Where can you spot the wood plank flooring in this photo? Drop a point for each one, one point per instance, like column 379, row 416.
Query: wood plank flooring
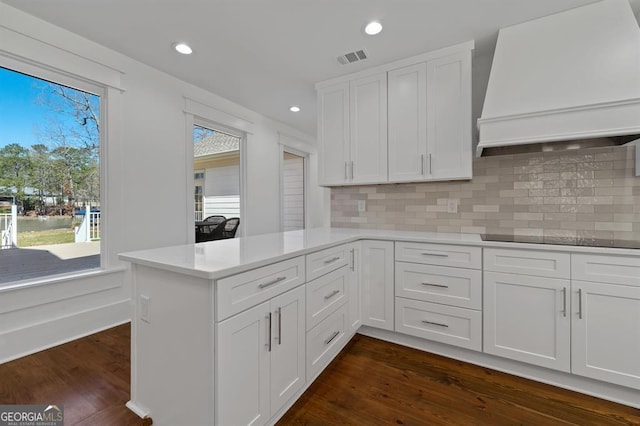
column 371, row 382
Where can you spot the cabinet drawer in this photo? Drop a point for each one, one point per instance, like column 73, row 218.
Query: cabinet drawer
column 239, row 292
column 325, row 294
column 446, row 324
column 325, row 341
column 606, row 269
column 440, row 284
column 528, row 262
column 325, row 261
column 439, row 254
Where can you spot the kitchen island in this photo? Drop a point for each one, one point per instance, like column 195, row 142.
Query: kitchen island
column 234, row 331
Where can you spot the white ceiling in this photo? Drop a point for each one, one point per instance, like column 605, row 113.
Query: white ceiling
column 267, row 54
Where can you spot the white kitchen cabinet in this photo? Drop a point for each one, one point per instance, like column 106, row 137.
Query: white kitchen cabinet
column 526, row 318
column 354, row 299
column 368, row 124
column 449, row 127
column 333, row 133
column 260, row 359
column 605, row 334
column 352, row 128
column 377, row 282
column 408, row 123
column 430, row 120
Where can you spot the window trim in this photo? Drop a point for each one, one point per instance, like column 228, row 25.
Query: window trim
column 305, row 156
column 192, row 120
column 44, row 72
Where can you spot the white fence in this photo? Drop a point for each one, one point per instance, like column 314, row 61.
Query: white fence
column 89, row 229
column 9, row 227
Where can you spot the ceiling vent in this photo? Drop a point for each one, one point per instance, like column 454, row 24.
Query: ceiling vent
column 351, row 57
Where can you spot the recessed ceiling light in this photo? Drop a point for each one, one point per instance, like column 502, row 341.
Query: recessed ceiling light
column 294, row 108
column 373, row 28
column 183, row 48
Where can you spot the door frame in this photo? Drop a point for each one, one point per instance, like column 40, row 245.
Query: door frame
column 305, row 157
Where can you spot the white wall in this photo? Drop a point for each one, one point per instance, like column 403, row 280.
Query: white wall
column 147, row 165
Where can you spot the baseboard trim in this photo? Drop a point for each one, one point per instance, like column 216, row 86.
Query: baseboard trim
column 139, row 411
column 603, row 390
column 34, row 338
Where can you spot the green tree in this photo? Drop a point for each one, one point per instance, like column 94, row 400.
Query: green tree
column 15, row 166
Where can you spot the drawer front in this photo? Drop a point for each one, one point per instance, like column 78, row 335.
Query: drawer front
column 623, row 270
column 440, row 284
column 325, row 295
column 325, row 261
column 447, row 324
column 325, row 341
column 528, row 262
column 439, row 254
column 239, row 292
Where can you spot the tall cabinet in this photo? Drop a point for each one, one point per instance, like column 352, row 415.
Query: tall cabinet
column 430, row 120
column 352, row 123
column 408, row 121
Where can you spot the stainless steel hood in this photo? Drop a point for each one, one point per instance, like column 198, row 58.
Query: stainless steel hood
column 572, row 75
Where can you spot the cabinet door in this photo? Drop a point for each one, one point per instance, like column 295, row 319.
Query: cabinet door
column 242, row 368
column 288, row 347
column 368, row 123
column 526, row 318
column 353, row 283
column 449, row 117
column 377, row 284
column 333, row 133
column 605, row 335
column 408, row 123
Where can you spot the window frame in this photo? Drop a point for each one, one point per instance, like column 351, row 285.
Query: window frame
column 43, row 72
column 305, row 156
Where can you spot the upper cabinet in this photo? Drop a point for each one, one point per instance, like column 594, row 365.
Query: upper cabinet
column 352, row 122
column 409, row 121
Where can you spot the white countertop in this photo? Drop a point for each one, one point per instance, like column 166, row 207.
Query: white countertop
column 217, row 259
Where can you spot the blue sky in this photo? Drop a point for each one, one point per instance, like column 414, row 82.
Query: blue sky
column 20, row 112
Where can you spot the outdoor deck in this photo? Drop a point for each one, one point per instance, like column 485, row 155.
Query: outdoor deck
column 18, row 264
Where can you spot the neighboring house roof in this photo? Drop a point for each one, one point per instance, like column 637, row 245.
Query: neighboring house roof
column 217, row 143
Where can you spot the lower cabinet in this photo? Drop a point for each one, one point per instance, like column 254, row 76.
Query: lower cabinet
column 605, row 333
column 260, row 359
column 377, row 282
column 526, row 318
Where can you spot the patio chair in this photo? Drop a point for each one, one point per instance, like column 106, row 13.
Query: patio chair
column 230, row 227
column 210, row 232
column 215, row 219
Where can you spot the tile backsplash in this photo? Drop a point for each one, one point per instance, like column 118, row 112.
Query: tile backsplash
column 556, row 196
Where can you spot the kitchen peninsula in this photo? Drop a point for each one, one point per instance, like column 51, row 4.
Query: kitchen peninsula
column 233, row 332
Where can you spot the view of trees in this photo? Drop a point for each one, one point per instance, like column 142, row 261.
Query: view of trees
column 63, row 170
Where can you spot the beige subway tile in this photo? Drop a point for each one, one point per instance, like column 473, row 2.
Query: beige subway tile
column 560, row 183
column 627, row 236
column 528, row 185
column 596, row 165
column 577, row 225
column 595, row 217
column 514, row 223
column 560, row 216
column 626, row 217
column 432, row 208
column 606, row 208
column 560, row 200
column 595, row 200
column 550, row 192
column 613, row 226
column 625, row 200
column 528, row 216
column 615, row 190
column 528, row 200
column 486, row 208
column 545, row 208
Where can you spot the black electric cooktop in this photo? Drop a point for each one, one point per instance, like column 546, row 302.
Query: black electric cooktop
column 588, row 242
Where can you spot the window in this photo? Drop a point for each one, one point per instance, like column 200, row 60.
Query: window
column 50, row 198
column 217, row 175
column 293, row 191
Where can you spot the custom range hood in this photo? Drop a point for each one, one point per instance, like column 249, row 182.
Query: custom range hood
column 570, row 76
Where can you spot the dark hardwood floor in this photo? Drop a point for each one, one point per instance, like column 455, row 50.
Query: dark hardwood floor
column 370, row 383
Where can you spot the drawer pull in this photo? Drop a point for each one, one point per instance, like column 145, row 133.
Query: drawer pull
column 436, row 254
column 435, row 323
column 435, row 285
column 564, row 301
column 330, row 295
column 326, row 262
column 279, row 326
column 276, row 281
column 333, row 336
